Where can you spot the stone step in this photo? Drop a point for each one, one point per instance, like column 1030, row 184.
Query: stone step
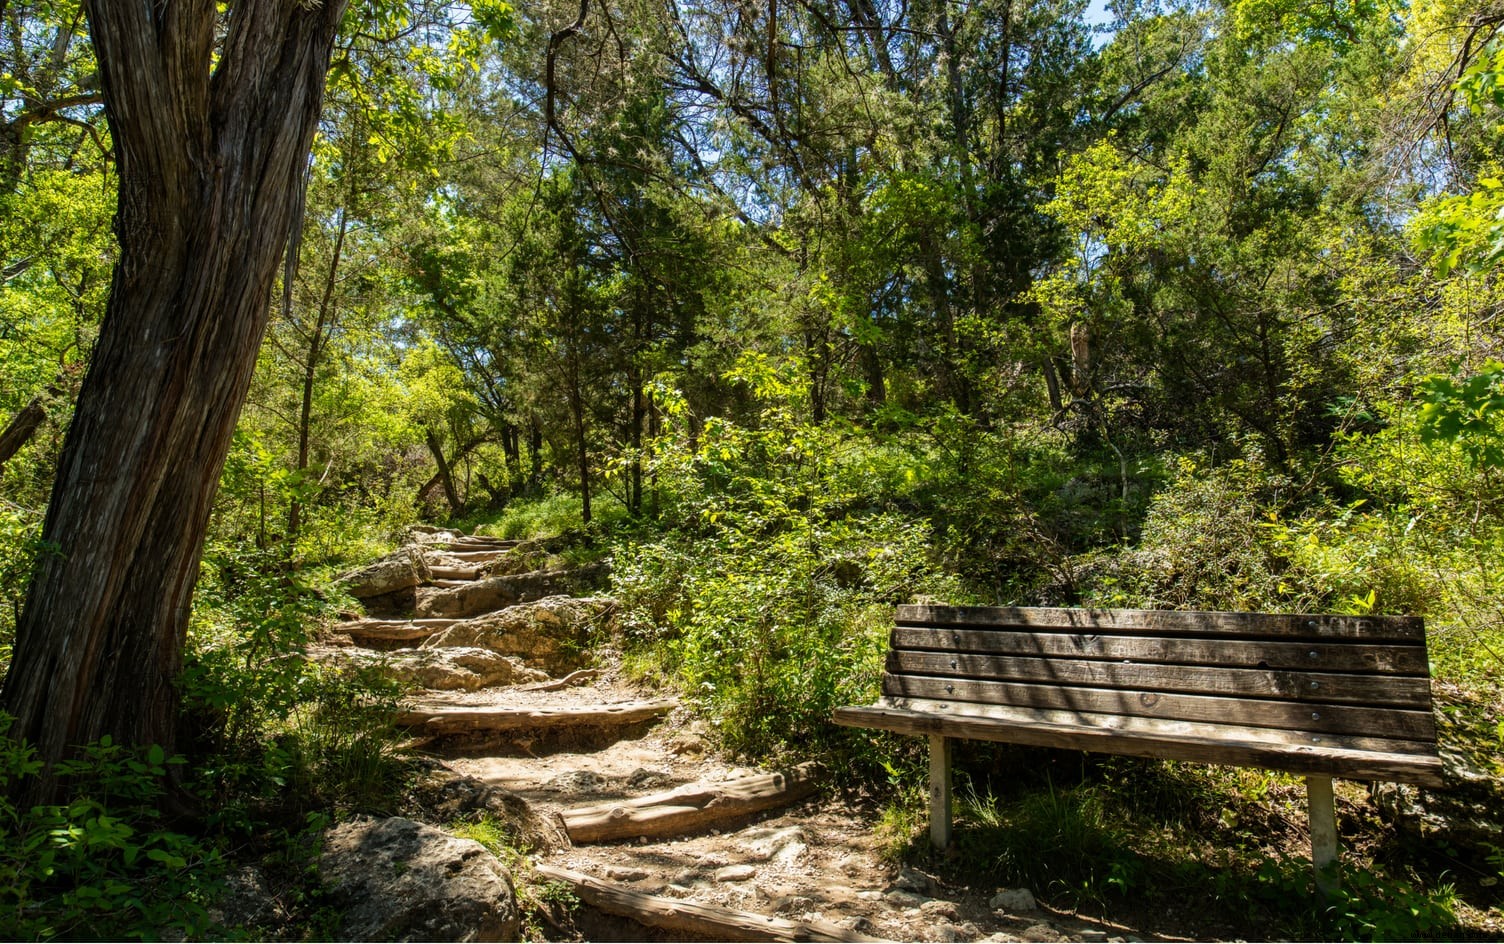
column 494, row 593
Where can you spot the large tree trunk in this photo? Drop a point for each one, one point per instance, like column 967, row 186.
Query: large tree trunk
column 210, row 156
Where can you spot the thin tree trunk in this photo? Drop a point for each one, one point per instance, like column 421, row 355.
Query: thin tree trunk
column 211, row 130
column 316, row 347
column 446, row 477
column 535, row 454
column 21, row 428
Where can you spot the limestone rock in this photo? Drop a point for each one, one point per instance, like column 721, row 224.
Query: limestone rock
column 1466, row 813
column 550, row 634
column 444, row 796
column 430, row 534
column 403, row 569
column 782, row 846
column 398, row 880
column 735, row 873
column 457, row 668
column 1013, row 900
column 494, row 593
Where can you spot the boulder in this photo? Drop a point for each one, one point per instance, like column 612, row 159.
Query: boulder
column 460, row 668
column 445, row 796
column 1467, row 813
column 550, row 634
column 495, row 593
column 399, row 880
column 401, row 570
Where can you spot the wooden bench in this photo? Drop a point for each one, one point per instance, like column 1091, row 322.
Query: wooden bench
column 1323, row 696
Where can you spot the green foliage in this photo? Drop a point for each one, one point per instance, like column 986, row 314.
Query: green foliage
column 550, row 516
column 1370, row 905
column 1466, row 411
column 1205, row 546
column 771, row 601
column 1061, row 842
column 278, row 733
column 102, row 865
column 19, row 546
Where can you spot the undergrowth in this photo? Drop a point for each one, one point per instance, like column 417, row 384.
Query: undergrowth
column 1223, row 847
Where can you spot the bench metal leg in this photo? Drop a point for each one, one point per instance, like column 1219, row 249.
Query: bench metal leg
column 940, row 791
column 1323, row 807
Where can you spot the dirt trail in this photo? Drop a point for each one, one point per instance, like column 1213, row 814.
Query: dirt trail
column 810, row 870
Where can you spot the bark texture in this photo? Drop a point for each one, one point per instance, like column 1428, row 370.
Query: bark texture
column 211, row 158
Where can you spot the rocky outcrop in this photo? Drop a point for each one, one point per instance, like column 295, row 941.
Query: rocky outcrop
column 401, row 570
column 399, row 880
column 1468, row 812
column 495, row 593
column 460, row 668
column 551, row 634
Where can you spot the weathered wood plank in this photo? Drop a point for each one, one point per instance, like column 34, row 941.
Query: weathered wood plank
column 1159, row 727
column 479, row 557
column 1172, row 622
column 1321, row 804
column 1328, row 656
column 446, row 720
column 711, row 922
column 1171, row 744
column 1248, row 730
column 940, row 791
column 1331, row 719
column 393, row 630
column 691, row 808
column 1312, row 687
column 453, row 573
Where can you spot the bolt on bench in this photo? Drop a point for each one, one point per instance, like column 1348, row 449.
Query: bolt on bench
column 1323, row 696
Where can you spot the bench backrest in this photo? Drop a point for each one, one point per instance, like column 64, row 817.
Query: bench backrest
column 1341, row 681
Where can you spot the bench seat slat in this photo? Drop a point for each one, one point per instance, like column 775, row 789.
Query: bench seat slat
column 1172, row 623
column 1409, row 660
column 1325, row 718
column 1312, row 687
column 1177, row 741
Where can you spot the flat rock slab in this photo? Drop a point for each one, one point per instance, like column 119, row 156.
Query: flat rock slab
column 552, row 634
column 495, row 593
column 461, row 668
column 399, row 880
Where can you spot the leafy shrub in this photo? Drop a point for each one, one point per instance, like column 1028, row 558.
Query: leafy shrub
column 1205, row 545
column 552, row 515
column 102, row 865
column 19, row 528
column 274, row 729
column 771, row 600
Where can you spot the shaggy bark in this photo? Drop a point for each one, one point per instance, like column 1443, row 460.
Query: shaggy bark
column 210, row 156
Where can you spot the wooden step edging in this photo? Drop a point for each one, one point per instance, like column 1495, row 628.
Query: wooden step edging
column 711, row 922
column 439, row 720
column 394, row 630
column 690, row 808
